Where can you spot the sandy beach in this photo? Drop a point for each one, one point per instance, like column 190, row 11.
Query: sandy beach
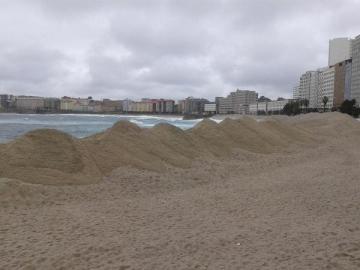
column 281, row 193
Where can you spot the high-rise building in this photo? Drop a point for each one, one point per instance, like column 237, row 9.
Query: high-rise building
column 237, row 102
column 194, row 105
column 309, row 87
column 326, row 87
column 314, row 85
column 296, row 92
column 339, row 50
column 347, row 90
column 355, row 70
column 342, row 82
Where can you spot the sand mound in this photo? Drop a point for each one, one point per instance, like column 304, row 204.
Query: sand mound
column 151, row 149
column 122, row 145
column 47, row 157
column 53, row 157
column 175, row 140
column 210, row 137
column 332, row 124
column 285, row 134
column 246, row 134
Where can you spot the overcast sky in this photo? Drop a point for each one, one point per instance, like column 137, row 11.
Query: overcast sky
column 171, row 49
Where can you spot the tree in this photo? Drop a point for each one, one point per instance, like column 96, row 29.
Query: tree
column 349, row 107
column 325, row 101
column 306, row 104
column 292, row 108
column 263, row 99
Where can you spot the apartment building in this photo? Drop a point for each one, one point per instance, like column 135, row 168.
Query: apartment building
column 226, row 105
column 180, row 106
column 339, row 50
column 348, row 71
column 355, row 70
column 342, row 83
column 151, row 106
column 29, row 103
column 210, row 108
column 126, row 105
column 51, row 104
column 67, row 104
column 326, row 87
column 309, row 87
column 296, row 94
column 141, row 107
column 94, row 106
column 109, row 105
column 192, row 105
column 237, row 102
column 83, row 105
column 7, row 102
column 268, row 107
column 163, row 105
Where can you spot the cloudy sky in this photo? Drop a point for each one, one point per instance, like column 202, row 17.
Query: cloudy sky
column 166, row 48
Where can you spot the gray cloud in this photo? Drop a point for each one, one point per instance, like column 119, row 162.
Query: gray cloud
column 172, row 49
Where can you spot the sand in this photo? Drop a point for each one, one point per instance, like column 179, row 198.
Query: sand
column 276, row 194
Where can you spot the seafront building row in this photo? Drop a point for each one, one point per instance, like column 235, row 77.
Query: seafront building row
column 338, row 81
column 237, row 102
column 83, row 105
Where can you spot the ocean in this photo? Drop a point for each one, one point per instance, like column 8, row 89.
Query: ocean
column 78, row 125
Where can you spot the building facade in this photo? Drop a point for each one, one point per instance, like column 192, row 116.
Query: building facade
column 7, row 102
column 29, row 103
column 268, row 107
column 347, row 90
column 80, row 105
column 342, row 82
column 355, row 70
column 192, row 105
column 150, row 106
column 111, row 105
column 326, row 87
column 309, row 87
column 210, row 108
column 237, row 102
column 51, row 105
column 314, row 85
column 339, row 50
column 296, row 94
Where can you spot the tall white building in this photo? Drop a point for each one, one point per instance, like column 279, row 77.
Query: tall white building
column 339, row 50
column 308, row 88
column 314, row 85
column 326, row 87
column 296, row 92
column 355, row 70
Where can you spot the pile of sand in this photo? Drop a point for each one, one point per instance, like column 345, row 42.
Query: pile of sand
column 328, row 124
column 48, row 157
column 53, row 157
